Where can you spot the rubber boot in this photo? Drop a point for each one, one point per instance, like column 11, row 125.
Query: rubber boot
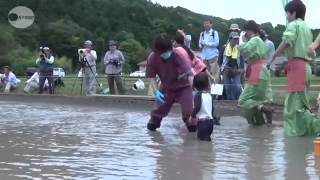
column 268, row 112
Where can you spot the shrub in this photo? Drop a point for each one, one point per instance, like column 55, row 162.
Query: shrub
column 64, row 63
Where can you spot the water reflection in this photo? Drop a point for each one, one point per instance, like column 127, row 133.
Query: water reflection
column 40, row 141
column 188, row 159
column 299, row 158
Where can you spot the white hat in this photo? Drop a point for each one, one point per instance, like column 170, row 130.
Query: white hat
column 44, row 48
column 88, row 42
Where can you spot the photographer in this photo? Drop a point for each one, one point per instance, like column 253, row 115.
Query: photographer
column 88, row 59
column 113, row 61
column 45, row 63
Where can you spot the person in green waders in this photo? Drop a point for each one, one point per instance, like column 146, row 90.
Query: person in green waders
column 254, row 99
column 297, row 117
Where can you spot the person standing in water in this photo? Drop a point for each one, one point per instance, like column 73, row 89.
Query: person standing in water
column 169, row 65
column 297, row 117
column 254, row 99
column 203, row 110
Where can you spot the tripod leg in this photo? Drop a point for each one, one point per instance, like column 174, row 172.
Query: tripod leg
column 82, row 78
column 74, row 83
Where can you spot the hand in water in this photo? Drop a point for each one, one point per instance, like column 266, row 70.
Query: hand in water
column 158, row 96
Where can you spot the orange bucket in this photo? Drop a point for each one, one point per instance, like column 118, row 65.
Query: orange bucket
column 316, row 144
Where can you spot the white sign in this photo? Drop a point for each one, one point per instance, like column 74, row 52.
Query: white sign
column 21, row 17
column 217, row 89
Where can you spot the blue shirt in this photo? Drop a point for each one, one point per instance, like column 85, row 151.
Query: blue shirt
column 270, row 51
column 209, row 44
column 11, row 78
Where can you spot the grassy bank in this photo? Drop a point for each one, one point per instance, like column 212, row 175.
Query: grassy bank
column 73, row 86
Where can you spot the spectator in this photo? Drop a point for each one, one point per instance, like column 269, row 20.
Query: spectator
column 33, row 82
column 8, row 80
column 114, row 60
column 187, row 37
column 45, row 62
column 270, row 49
column 209, row 43
column 231, row 68
column 232, row 28
column 88, row 62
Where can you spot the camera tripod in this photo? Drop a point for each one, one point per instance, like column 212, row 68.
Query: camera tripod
column 84, row 63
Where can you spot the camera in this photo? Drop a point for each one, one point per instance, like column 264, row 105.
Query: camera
column 81, row 51
column 42, row 50
column 114, row 62
column 42, row 55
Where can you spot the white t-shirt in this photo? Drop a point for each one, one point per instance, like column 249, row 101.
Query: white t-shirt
column 206, row 107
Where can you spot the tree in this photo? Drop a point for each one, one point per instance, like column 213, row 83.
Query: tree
column 133, row 52
column 267, row 27
column 7, row 44
column 64, row 25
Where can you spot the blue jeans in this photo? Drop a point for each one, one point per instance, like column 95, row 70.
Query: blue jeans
column 232, row 86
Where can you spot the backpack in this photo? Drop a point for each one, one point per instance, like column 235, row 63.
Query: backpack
column 212, row 34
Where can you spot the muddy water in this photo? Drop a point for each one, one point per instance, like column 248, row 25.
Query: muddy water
column 39, row 141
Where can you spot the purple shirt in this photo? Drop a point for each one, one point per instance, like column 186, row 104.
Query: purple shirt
column 169, row 70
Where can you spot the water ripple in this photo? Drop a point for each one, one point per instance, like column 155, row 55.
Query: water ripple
column 40, row 141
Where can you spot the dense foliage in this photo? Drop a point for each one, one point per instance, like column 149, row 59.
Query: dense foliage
column 64, row 24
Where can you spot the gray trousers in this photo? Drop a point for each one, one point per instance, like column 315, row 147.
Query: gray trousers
column 115, row 78
column 30, row 86
column 213, row 68
column 6, row 87
column 89, row 79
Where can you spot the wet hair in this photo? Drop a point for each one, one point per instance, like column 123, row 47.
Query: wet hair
column 298, row 7
column 201, row 81
column 180, row 40
column 162, row 43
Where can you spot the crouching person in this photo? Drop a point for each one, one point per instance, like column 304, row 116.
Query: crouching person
column 8, row 81
column 33, row 82
column 176, row 82
column 256, row 97
column 203, row 112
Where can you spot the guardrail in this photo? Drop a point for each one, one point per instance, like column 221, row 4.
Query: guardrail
column 72, row 86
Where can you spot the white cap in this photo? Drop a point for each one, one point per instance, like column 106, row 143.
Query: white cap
column 44, row 48
column 88, row 42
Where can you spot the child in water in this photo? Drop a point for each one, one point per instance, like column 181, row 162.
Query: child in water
column 203, row 110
